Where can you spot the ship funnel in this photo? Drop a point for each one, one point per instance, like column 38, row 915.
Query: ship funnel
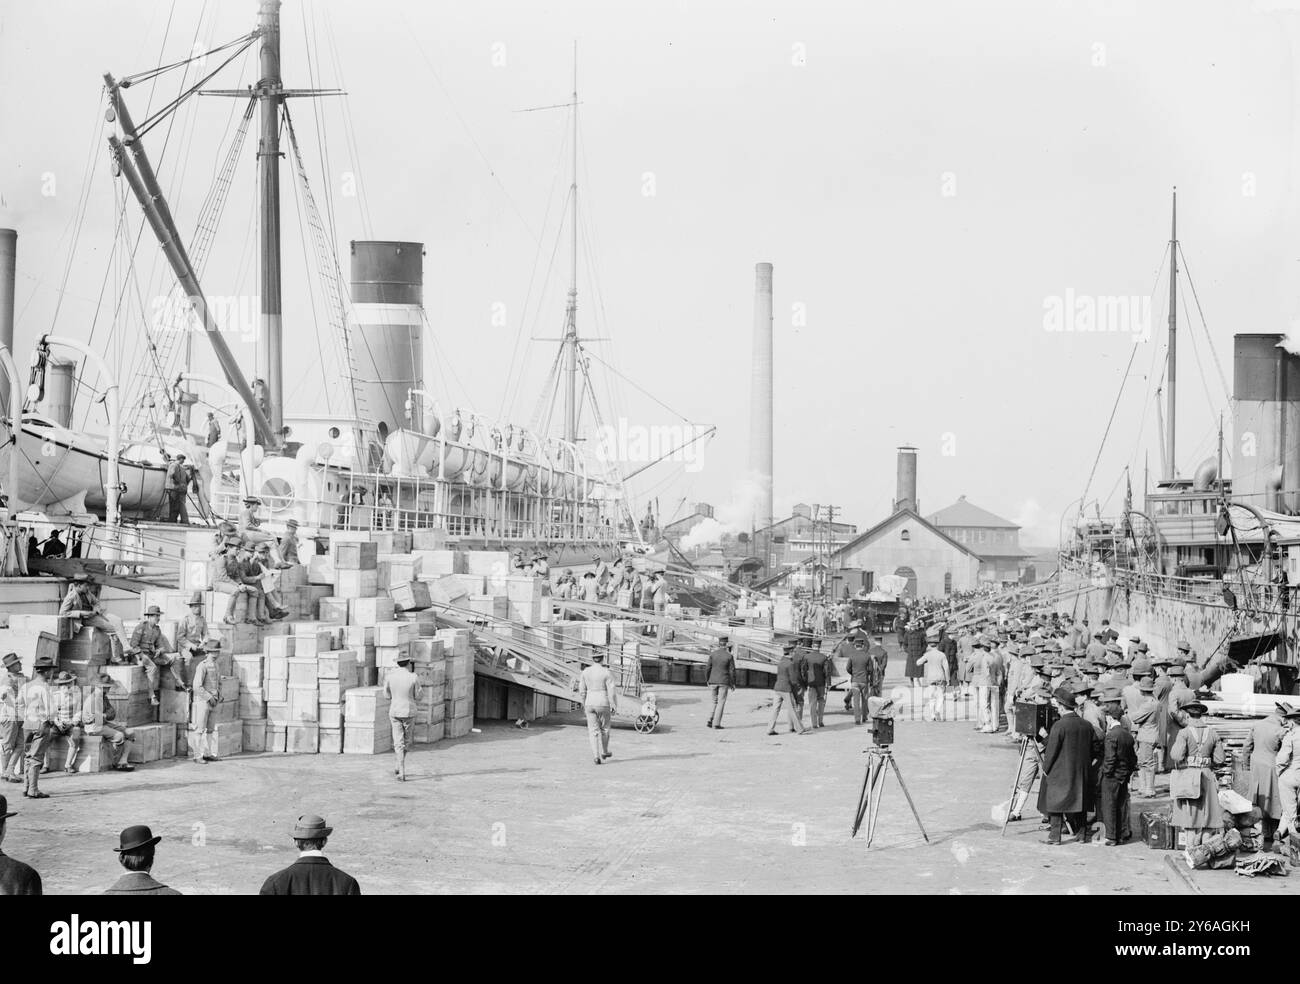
column 8, row 276
column 1266, row 422
column 388, row 345
column 905, row 487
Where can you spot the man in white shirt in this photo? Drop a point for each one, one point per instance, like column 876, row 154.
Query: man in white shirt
column 599, row 696
column 403, row 690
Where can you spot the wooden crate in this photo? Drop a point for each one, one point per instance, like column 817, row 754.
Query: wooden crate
column 410, row 595
column 276, row 737
column 301, row 739
column 151, row 743
column 173, row 706
column 228, row 688
column 250, row 669
column 252, row 704
column 354, row 556
column 94, row 755
column 365, row 706
column 304, row 671
column 303, row 704
column 277, row 712
column 313, row 643
column 366, row 611
column 329, row 715
column 280, row 647
column 331, row 741
column 254, row 737
column 276, row 690
column 333, row 609
column 393, row 633
column 355, row 584
column 336, row 665
column 362, row 739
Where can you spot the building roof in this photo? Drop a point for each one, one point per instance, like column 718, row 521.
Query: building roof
column 963, row 513
column 883, row 524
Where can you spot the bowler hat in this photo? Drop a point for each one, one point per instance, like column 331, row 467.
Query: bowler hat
column 310, row 827
column 134, row 838
column 12, row 662
column 1064, row 697
column 4, row 809
column 153, row 610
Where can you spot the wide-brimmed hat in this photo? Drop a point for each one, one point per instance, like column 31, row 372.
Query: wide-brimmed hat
column 212, row 645
column 1146, row 685
column 81, row 576
column 309, row 827
column 292, row 523
column 105, row 680
column 1142, row 647
column 1112, row 695
column 4, row 809
column 1184, row 646
column 153, row 610
column 195, row 599
column 1195, row 705
column 64, row 679
column 1122, row 663
column 1036, row 661
column 405, row 657
column 134, row 838
column 1064, row 696
column 44, row 662
column 1081, row 687
column 11, row 661
column 252, row 500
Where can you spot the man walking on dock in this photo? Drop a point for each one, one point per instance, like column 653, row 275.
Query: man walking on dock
column 402, row 688
column 721, row 680
column 599, row 696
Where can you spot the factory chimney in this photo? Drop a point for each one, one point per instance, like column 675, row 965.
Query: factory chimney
column 8, row 270
column 760, row 396
column 905, row 488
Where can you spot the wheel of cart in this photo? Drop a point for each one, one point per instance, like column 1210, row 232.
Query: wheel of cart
column 646, row 723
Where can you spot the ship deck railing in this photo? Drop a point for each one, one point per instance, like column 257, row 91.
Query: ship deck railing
column 1250, row 591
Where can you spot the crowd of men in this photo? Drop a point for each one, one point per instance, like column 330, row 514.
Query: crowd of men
column 310, row 874
column 1123, row 714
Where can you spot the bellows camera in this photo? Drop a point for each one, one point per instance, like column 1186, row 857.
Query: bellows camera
column 882, row 730
column 1033, row 719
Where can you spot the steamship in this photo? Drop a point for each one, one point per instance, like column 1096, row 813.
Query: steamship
column 392, row 453
column 1208, row 559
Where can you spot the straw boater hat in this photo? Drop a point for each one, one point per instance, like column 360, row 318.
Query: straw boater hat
column 64, row 679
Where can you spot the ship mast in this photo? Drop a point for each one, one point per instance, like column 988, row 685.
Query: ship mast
column 1170, row 469
column 268, row 92
column 571, row 311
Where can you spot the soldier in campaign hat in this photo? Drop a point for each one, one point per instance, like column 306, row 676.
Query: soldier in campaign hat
column 1118, row 763
column 205, row 694
column 82, row 603
column 11, row 719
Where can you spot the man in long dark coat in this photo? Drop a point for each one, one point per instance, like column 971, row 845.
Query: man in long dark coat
column 1065, row 791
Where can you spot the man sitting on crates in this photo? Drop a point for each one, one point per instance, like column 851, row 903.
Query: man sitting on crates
column 149, row 648
column 82, row 603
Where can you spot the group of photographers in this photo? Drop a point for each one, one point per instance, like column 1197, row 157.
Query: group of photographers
column 1096, row 718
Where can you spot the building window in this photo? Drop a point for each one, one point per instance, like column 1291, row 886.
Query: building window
column 947, row 583
column 905, row 535
column 981, row 536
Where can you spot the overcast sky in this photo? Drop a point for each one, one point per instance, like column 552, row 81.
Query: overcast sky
column 931, row 182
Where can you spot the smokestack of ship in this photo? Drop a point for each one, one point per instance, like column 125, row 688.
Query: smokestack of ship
column 760, row 396
column 1266, row 421
column 905, row 485
column 388, row 350
column 8, row 271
